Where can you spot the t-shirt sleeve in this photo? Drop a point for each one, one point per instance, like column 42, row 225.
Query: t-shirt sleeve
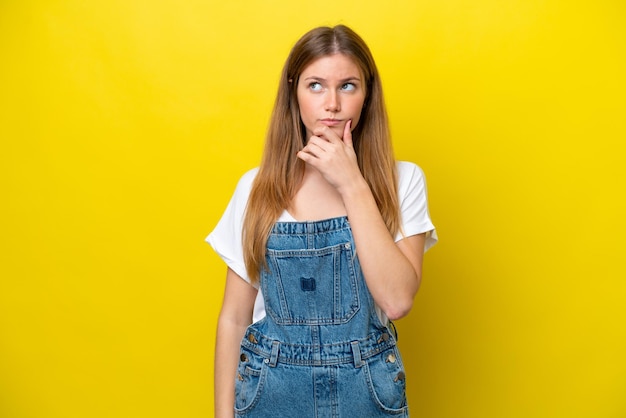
column 414, row 204
column 226, row 237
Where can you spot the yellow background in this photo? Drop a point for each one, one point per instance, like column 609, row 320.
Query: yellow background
column 125, row 124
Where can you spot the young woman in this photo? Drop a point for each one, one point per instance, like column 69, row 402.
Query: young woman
column 324, row 244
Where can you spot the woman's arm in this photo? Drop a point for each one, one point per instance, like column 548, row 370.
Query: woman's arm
column 234, row 318
column 392, row 271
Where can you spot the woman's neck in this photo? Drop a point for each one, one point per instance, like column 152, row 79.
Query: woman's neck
column 315, row 199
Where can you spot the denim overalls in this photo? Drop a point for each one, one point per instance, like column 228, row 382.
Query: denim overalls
column 321, row 350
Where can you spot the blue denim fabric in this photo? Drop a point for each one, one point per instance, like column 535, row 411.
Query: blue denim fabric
column 321, row 350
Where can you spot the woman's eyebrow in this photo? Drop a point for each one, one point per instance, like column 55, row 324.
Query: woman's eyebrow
column 312, row 77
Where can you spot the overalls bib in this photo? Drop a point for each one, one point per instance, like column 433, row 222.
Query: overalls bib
column 321, row 350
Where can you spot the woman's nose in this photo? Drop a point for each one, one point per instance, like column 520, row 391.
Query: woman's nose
column 332, row 102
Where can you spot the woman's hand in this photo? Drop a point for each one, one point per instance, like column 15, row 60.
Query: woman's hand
column 333, row 156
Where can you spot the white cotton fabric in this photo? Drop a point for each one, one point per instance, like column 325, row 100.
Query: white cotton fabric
column 226, row 237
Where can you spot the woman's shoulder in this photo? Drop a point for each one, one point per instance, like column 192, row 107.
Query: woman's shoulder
column 409, row 171
column 248, row 177
column 244, row 184
column 239, row 198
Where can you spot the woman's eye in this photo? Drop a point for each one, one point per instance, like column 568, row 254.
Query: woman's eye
column 315, row 86
column 348, row 87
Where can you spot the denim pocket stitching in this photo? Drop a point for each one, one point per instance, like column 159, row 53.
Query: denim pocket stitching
column 254, row 390
column 388, row 374
column 340, row 253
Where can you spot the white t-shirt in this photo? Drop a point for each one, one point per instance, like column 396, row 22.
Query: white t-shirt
column 226, row 237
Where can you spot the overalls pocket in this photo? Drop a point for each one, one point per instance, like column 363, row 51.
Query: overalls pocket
column 386, row 380
column 311, row 286
column 250, row 379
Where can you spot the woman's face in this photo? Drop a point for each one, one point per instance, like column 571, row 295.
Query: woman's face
column 330, row 93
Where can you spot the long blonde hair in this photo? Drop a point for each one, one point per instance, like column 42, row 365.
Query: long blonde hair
column 281, row 171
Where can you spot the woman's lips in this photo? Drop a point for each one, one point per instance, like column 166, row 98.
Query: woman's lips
column 332, row 122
